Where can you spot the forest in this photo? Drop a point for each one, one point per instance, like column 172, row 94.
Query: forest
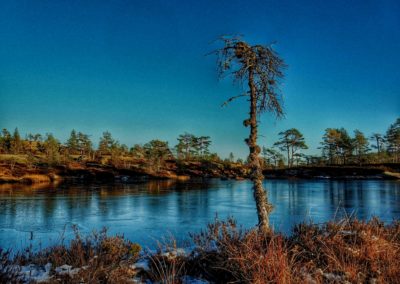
column 338, row 147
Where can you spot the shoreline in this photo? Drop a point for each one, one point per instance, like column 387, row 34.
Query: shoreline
column 342, row 251
column 97, row 173
column 377, row 172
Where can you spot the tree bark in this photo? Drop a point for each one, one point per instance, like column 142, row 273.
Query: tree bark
column 291, row 156
column 288, row 155
column 377, row 145
column 256, row 175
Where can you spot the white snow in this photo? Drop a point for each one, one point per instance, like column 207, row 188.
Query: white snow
column 66, row 269
column 30, row 273
column 142, row 264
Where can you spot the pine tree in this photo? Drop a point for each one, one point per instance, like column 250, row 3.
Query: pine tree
column 5, row 141
column 85, row 145
column 51, row 147
column 156, row 152
column 261, row 69
column 393, row 140
column 106, row 143
column 360, row 144
column 291, row 141
column 16, row 142
column 186, row 147
column 73, row 143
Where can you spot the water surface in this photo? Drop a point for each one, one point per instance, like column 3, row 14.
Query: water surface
column 147, row 211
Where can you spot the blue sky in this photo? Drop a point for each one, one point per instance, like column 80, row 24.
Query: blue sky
column 139, row 70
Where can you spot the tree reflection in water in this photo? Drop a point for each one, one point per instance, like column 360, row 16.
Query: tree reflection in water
column 146, row 211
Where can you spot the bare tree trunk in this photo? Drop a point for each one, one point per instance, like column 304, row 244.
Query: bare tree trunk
column 291, row 159
column 377, row 145
column 288, row 155
column 256, row 175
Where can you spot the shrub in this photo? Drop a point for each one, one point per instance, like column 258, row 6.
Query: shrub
column 98, row 257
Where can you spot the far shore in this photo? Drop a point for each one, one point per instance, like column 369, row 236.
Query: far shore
column 99, row 173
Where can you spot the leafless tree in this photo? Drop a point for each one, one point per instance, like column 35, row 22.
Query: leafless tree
column 261, row 68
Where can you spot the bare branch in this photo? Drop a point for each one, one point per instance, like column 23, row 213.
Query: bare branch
column 233, row 98
column 262, row 69
column 235, row 59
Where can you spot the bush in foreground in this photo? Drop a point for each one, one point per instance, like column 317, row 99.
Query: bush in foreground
column 346, row 251
column 97, row 258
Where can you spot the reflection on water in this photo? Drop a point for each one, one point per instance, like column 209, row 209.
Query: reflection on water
column 146, row 211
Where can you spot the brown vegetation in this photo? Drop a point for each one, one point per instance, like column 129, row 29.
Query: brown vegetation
column 36, row 178
column 346, row 251
column 97, row 258
column 92, row 171
column 79, row 159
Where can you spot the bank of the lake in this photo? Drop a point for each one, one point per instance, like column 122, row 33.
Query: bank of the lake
column 344, row 251
column 181, row 170
column 349, row 172
column 97, row 172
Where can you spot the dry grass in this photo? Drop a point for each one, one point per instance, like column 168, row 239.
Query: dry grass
column 18, row 158
column 99, row 258
column 167, row 266
column 348, row 251
column 226, row 253
column 36, row 178
column 7, row 273
column 359, row 251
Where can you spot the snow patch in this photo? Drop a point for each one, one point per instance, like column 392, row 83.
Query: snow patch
column 67, row 269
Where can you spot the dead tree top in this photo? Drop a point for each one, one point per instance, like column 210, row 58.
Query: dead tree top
column 238, row 59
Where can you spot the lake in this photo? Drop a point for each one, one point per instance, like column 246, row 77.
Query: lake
column 145, row 212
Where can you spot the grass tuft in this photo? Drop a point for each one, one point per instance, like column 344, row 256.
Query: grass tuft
column 346, row 251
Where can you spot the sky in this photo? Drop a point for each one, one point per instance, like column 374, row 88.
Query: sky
column 140, row 69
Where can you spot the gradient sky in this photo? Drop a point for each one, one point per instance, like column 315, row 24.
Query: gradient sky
column 139, row 70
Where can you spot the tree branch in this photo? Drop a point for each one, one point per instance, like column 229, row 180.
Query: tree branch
column 233, row 98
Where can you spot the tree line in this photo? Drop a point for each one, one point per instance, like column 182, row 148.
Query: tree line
column 338, row 147
column 80, row 147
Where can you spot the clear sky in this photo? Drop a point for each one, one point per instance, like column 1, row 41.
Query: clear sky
column 139, row 70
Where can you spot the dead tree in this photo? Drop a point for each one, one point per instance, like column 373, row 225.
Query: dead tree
column 261, row 69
